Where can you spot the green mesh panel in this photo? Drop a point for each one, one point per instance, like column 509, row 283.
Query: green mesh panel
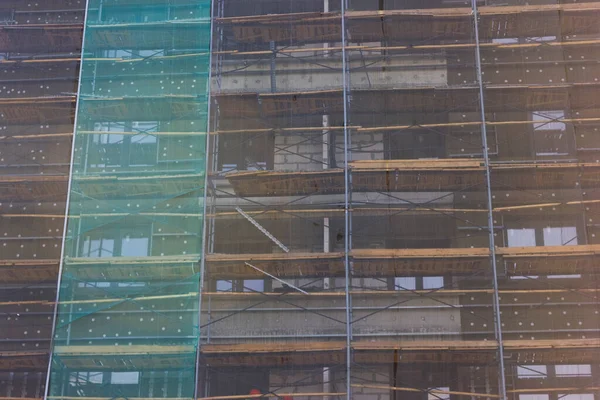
column 127, row 323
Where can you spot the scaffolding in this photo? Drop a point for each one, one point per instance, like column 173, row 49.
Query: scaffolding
column 330, row 199
column 127, row 312
column 429, row 169
column 40, row 45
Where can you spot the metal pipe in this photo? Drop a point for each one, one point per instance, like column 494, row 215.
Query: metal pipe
column 276, row 278
column 205, row 197
column 65, row 225
column 346, row 207
column 490, row 218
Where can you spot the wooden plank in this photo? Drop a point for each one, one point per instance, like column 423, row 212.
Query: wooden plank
column 228, row 266
column 167, row 268
column 367, row 263
column 39, row 60
column 411, row 48
column 361, row 293
column 475, row 124
column 242, row 396
column 266, row 353
column 273, row 347
column 387, row 345
column 224, row 258
column 453, row 352
column 548, row 251
column 100, row 187
column 420, row 253
column 20, row 398
column 407, row 99
column 554, row 389
column 307, row 129
column 135, row 350
column 416, row 175
column 36, row 136
column 287, row 214
column 546, row 205
column 274, row 395
column 407, row 165
column 143, row 133
column 552, row 344
column 426, row 345
column 553, row 260
column 423, row 262
column 416, row 24
column 427, row 390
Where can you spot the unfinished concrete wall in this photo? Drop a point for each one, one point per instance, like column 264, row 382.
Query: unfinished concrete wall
column 418, row 315
column 285, row 73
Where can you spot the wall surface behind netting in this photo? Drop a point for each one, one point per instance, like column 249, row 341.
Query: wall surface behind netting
column 402, row 199
column 40, row 46
column 127, row 319
column 401, row 202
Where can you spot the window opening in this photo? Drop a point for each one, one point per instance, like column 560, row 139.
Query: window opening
column 532, row 371
column 572, row 370
column 550, row 135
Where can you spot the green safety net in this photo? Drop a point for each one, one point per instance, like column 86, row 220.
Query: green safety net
column 127, row 322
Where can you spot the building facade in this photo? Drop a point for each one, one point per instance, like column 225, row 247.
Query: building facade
column 337, row 199
column 40, row 50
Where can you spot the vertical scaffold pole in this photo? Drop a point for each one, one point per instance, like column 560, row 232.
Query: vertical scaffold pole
column 346, row 207
column 66, row 220
column 205, row 196
column 490, row 217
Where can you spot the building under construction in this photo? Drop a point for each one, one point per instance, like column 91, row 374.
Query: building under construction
column 307, row 199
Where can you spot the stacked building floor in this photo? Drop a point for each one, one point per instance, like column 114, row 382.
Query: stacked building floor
column 321, row 199
column 40, row 50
